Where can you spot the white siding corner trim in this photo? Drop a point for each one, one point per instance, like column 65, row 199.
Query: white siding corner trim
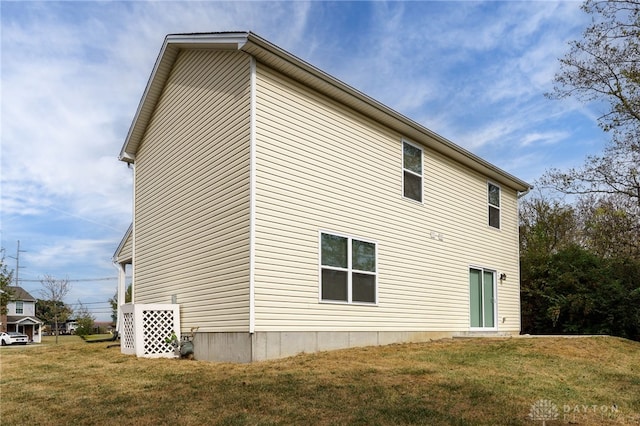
column 252, row 201
column 133, row 239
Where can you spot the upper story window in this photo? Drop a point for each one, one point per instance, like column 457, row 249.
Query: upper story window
column 19, row 307
column 411, row 171
column 348, row 269
column 493, row 199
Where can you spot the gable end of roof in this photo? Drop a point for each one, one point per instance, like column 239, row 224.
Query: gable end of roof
column 20, row 294
column 279, row 59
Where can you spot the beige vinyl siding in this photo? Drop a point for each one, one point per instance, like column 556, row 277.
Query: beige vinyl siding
column 192, row 193
column 126, row 249
column 321, row 166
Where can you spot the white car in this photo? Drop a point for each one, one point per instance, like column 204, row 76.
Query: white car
column 12, row 337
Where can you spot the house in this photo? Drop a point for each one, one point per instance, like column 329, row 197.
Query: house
column 21, row 315
column 283, row 211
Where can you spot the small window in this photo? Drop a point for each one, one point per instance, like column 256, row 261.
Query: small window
column 411, row 172
column 348, row 269
column 493, row 196
column 19, row 307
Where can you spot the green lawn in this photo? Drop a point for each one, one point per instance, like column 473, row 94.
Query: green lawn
column 589, row 381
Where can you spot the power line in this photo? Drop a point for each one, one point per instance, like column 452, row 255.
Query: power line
column 74, row 280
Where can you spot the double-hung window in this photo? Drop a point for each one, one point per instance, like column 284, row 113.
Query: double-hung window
column 493, row 199
column 411, row 171
column 348, row 269
column 19, row 307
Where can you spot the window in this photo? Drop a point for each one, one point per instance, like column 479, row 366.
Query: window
column 348, row 269
column 493, row 198
column 411, row 172
column 482, row 298
column 19, row 307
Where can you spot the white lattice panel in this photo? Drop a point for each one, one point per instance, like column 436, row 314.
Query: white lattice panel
column 127, row 340
column 157, row 326
column 147, row 326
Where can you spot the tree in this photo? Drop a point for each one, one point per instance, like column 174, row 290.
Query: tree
column 588, row 283
column 605, row 66
column 55, row 290
column 574, row 291
column 610, row 226
column 577, row 274
column 85, row 320
column 6, row 293
column 114, row 303
column 614, row 174
column 45, row 309
column 546, row 226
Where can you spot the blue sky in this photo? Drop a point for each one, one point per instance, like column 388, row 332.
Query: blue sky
column 74, row 72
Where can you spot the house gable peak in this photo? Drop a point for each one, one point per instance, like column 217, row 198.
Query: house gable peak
column 21, row 294
column 275, row 57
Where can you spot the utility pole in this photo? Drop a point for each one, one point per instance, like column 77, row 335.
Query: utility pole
column 17, row 258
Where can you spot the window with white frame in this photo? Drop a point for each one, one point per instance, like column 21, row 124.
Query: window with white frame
column 348, row 269
column 411, row 171
column 493, row 199
column 19, row 307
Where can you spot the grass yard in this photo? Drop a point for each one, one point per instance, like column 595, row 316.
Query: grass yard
column 98, row 337
column 591, row 381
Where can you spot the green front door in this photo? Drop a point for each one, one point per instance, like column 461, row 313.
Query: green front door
column 482, row 298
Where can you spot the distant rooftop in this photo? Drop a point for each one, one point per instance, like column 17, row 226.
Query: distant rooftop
column 21, row 294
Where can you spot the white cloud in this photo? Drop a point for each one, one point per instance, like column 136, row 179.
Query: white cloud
column 68, row 252
column 543, row 138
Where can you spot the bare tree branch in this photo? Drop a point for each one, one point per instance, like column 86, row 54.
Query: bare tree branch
column 55, row 291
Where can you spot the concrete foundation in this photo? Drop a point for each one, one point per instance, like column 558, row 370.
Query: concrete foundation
column 261, row 346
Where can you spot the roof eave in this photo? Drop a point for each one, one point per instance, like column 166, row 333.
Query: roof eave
column 298, row 69
column 31, row 319
column 358, row 100
column 116, row 254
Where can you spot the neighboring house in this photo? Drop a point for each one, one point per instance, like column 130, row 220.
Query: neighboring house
column 21, row 315
column 284, row 211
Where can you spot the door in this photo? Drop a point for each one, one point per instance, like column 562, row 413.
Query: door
column 28, row 330
column 482, row 298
